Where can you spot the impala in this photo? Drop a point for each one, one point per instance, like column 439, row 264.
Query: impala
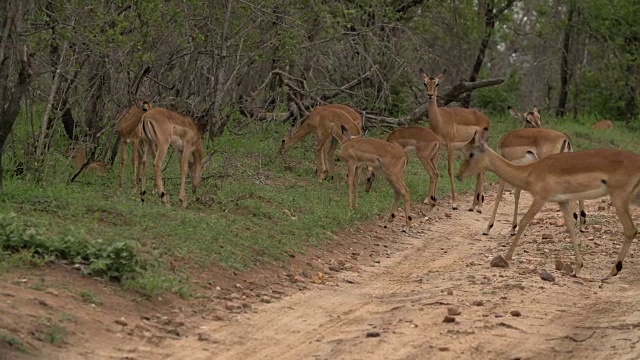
column 79, row 156
column 603, row 125
column 319, row 122
column 566, row 177
column 161, row 128
column 128, row 128
column 528, row 145
column 455, row 126
column 380, row 156
column 426, row 145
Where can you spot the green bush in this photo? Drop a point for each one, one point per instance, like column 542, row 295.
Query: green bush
column 114, row 260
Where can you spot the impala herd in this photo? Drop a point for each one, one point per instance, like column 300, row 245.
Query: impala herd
column 537, row 160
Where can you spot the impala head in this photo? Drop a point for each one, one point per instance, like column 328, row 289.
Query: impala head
column 431, row 83
column 475, row 159
column 146, row 106
column 530, row 119
column 286, row 142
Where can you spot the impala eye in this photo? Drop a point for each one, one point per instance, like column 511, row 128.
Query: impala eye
column 437, row 84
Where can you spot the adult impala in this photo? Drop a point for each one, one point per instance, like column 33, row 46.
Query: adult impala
column 566, row 177
column 319, row 123
column 455, row 126
column 161, row 128
column 528, row 145
column 380, row 156
column 426, row 145
column 128, row 128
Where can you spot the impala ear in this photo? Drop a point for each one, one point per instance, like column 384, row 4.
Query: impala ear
column 514, row 112
column 535, row 109
column 441, row 76
column 424, row 74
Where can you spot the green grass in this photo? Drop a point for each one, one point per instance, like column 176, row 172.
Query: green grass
column 12, row 341
column 253, row 206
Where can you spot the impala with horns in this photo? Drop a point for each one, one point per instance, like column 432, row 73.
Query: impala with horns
column 566, row 177
column 161, row 128
column 426, row 145
column 128, row 128
column 456, row 126
column 528, row 145
column 319, row 123
column 379, row 156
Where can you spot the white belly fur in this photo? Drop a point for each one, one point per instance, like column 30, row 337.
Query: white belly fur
column 586, row 195
column 177, row 143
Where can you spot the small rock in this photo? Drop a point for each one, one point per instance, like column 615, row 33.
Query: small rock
column 602, row 207
column 278, row 291
column 597, row 227
column 447, row 215
column 559, row 265
column 334, row 268
column 546, row 276
column 448, row 319
column 499, row 261
column 443, row 348
column 246, row 305
column 454, row 310
column 121, row 321
column 567, row 269
column 559, row 223
column 205, row 337
column 234, row 296
column 265, row 299
column 301, row 286
column 51, row 291
column 372, row 334
column 449, row 291
column 231, row 306
column 299, row 279
column 546, row 236
column 477, row 303
column 239, row 286
column 515, row 313
column 498, row 315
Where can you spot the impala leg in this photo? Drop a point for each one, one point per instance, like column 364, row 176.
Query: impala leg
column 514, row 221
column 533, row 210
column 583, row 216
column 184, row 170
column 135, row 155
column 143, row 172
column 427, row 158
column 629, row 229
column 478, row 199
column 495, row 208
column 571, row 229
column 454, row 205
column 400, row 190
column 352, row 180
column 330, row 158
column 123, row 160
column 161, row 152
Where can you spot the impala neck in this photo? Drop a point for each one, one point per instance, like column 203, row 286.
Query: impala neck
column 516, row 175
column 434, row 114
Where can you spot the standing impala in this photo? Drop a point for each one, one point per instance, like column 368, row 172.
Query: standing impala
column 455, row 126
column 380, row 156
column 426, row 145
column 528, row 145
column 161, row 128
column 319, row 123
column 566, row 177
column 128, row 128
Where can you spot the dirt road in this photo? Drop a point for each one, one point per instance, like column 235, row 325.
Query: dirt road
column 395, row 309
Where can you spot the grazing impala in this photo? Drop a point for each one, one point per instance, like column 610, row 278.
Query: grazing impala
column 319, row 122
column 566, row 177
column 426, row 145
column 455, row 126
column 161, row 128
column 382, row 157
column 528, row 145
column 128, row 128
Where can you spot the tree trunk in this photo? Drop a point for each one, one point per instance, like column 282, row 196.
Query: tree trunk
column 565, row 72
column 490, row 17
column 11, row 94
